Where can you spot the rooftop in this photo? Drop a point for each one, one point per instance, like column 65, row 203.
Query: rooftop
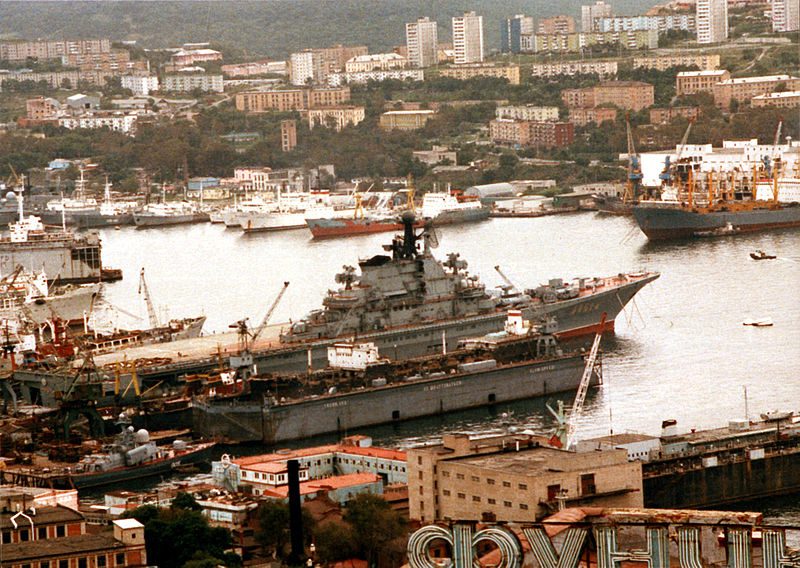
column 781, row 95
column 625, row 438
column 43, row 516
column 712, row 73
column 68, row 546
column 326, row 484
column 281, row 457
column 762, row 79
column 128, row 524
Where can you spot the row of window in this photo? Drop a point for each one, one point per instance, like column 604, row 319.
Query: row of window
column 41, row 534
column 489, row 500
column 489, row 480
column 82, row 562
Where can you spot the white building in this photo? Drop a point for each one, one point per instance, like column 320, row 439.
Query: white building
column 468, row 38
column 341, row 79
column 421, row 42
column 375, row 61
column 141, row 85
column 591, row 11
column 528, row 112
column 185, row 82
column 661, row 23
column 305, row 67
column 785, row 15
column 712, row 21
column 602, row 68
column 125, row 123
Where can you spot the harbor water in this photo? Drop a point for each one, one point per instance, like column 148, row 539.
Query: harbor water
column 680, row 349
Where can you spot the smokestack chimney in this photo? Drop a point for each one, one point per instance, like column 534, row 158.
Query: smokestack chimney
column 297, row 556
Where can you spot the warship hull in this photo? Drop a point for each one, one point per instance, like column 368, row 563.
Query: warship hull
column 672, row 222
column 277, row 422
column 144, row 220
column 575, row 317
column 326, row 228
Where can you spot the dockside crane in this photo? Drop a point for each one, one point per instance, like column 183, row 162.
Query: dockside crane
column 634, row 168
column 666, row 175
column 247, row 337
column 583, row 387
column 152, row 316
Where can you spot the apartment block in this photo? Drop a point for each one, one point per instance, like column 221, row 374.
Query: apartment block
column 514, row 479
column 691, row 82
column 590, row 12
column 712, row 21
column 556, row 25
column 255, row 68
column 405, row 119
column 421, row 42
column 512, row 29
column 601, row 68
column 141, row 85
column 785, row 15
column 336, row 117
column 340, row 79
column 549, row 134
column 703, row 61
column 468, row 38
column 592, row 115
column 305, row 68
column 467, row 71
column 528, row 112
column 660, row 23
column 22, row 50
column 374, row 62
column 744, row 89
column 631, row 95
column 291, row 99
column 785, row 99
column 668, row 114
column 121, row 122
column 185, row 82
column 288, row 135
column 573, row 43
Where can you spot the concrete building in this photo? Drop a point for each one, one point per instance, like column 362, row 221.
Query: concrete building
column 468, row 38
column 340, row 79
column 785, row 99
column 601, row 68
column 660, row 23
column 785, row 15
column 435, row 155
column 591, row 11
column 405, row 119
column 119, row 121
column 469, row 70
column 743, row 89
column 291, row 99
column 691, row 82
column 527, row 112
column 638, row 446
column 375, row 61
column 574, row 43
column 631, row 95
column 550, row 134
column 514, row 479
column 22, row 50
column 186, row 57
column 305, row 68
column 189, row 81
column 556, row 25
column 512, row 29
column 57, row 536
column 703, row 61
column 712, row 21
column 141, row 85
column 336, row 117
column 42, row 108
column 668, row 114
column 252, row 68
column 288, row 135
column 591, row 115
column 421, row 42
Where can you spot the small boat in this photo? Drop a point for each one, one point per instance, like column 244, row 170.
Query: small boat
column 761, row 255
column 762, row 322
column 727, row 229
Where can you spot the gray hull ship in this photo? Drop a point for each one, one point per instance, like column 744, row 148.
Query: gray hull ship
column 409, row 304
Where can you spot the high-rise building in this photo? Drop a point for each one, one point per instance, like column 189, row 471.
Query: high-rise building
column 785, row 15
column 591, row 11
column 468, row 38
column 712, row 21
column 556, row 25
column 421, row 41
column 512, row 29
column 305, row 67
column 288, row 135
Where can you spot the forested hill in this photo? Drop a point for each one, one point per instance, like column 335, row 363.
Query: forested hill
column 273, row 28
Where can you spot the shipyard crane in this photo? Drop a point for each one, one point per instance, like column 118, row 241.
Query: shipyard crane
column 666, row 175
column 634, row 168
column 583, row 387
column 262, row 326
column 244, row 358
column 151, row 310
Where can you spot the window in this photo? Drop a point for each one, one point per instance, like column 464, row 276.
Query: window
column 63, row 563
column 45, row 564
column 445, row 474
column 24, row 535
column 475, row 478
column 490, row 481
column 523, row 487
column 506, row 484
column 446, row 492
column 6, row 537
column 587, row 484
column 523, row 506
column 82, row 562
column 420, row 490
column 419, row 473
column 41, row 533
column 101, row 561
column 61, row 530
column 459, row 476
column 419, row 460
column 506, row 503
column 552, row 492
column 26, row 566
column 120, row 559
column 462, row 496
column 491, row 501
column 476, row 499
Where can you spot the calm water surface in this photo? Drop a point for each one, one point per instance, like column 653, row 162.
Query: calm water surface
column 680, row 349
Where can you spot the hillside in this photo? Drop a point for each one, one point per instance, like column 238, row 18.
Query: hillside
column 273, row 28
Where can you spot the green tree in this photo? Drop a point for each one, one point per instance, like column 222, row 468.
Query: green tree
column 273, row 527
column 378, row 530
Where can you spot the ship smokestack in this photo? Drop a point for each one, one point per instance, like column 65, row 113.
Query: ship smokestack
column 297, row 555
column 409, row 238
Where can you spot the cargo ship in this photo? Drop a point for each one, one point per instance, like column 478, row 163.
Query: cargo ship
column 359, row 389
column 701, row 204
column 409, row 304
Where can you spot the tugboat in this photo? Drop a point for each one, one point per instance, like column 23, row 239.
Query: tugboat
column 761, row 255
